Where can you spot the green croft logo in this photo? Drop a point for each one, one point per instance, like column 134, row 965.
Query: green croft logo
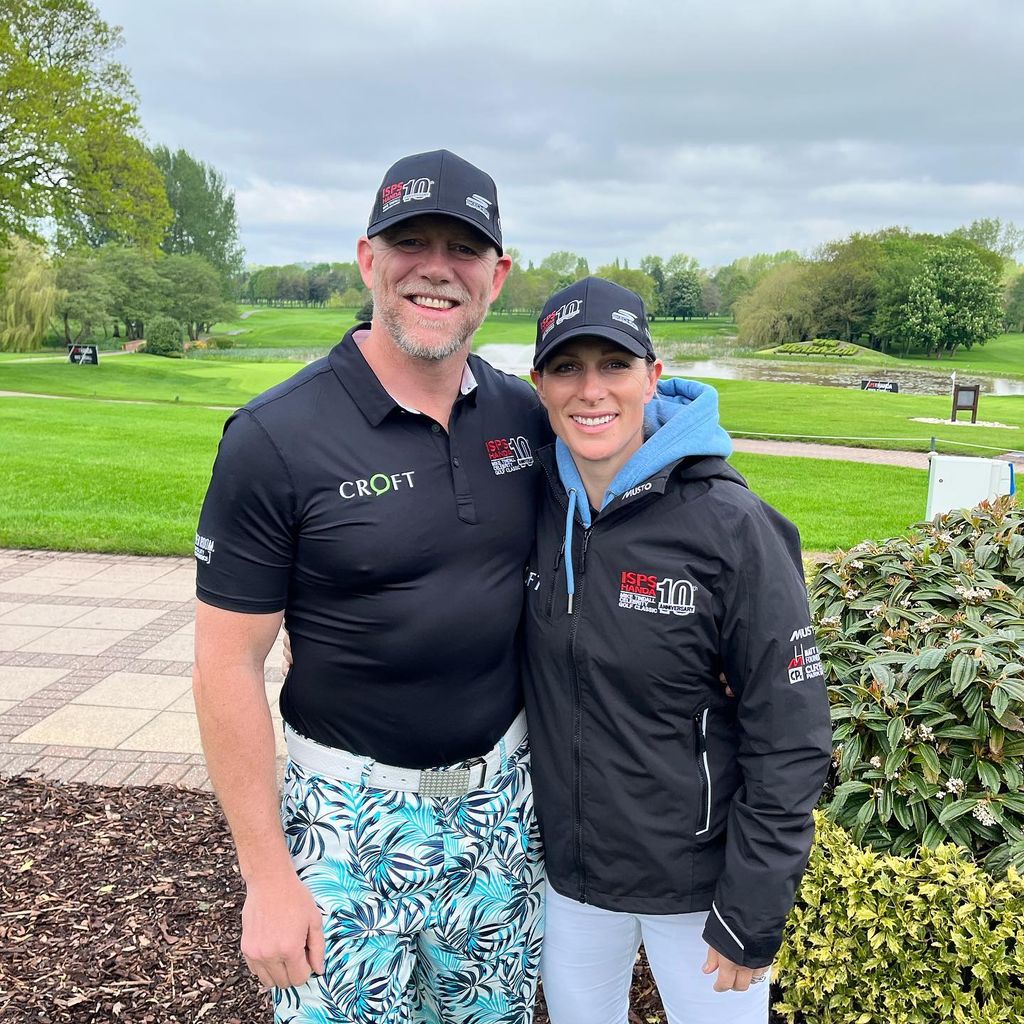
column 376, row 485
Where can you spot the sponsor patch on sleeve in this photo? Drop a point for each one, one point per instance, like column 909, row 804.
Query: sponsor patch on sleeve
column 806, row 661
column 204, row 548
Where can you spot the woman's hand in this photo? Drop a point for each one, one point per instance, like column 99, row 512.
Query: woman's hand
column 732, row 977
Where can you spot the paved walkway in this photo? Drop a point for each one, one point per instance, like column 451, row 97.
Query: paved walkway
column 95, row 669
column 916, row 460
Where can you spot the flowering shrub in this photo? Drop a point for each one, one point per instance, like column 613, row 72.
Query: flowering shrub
column 922, row 641
column 880, row 939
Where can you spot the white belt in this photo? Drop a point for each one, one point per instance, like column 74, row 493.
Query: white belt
column 453, row 780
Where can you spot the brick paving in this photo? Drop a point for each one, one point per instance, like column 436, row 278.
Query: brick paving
column 95, row 669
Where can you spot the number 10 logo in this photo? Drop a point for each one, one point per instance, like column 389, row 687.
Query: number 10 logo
column 675, row 597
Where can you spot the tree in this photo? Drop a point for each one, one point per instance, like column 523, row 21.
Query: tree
column 711, row 295
column 683, row 295
column 969, row 295
column 203, row 207
column 137, row 291
column 780, row 308
column 635, row 280
column 85, row 300
column 564, row 266
column 1013, row 308
column 991, row 233
column 654, row 268
column 192, row 294
column 27, row 298
column 69, row 148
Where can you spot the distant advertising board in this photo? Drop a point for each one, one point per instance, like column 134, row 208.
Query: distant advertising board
column 84, row 355
column 880, row 385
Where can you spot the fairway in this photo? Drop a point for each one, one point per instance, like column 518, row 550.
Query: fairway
column 758, row 408
column 93, row 476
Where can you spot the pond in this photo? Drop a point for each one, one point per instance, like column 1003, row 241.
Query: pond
column 516, row 359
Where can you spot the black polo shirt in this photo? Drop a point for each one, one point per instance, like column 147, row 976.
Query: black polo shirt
column 395, row 548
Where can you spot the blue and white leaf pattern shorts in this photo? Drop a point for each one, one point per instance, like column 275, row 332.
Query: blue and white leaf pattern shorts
column 433, row 908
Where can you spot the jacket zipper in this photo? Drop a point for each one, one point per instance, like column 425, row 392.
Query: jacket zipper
column 577, row 730
column 554, row 577
column 700, row 737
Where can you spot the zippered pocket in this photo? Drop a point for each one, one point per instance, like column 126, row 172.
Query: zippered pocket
column 700, row 746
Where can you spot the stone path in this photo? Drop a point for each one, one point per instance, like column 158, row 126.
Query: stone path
column 95, row 669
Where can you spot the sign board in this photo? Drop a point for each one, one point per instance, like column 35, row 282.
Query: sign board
column 880, row 385
column 84, row 355
column 965, row 399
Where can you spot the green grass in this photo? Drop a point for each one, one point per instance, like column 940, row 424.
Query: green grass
column 92, row 477
column 149, row 378
column 748, row 407
column 837, row 504
column 762, row 408
column 89, row 476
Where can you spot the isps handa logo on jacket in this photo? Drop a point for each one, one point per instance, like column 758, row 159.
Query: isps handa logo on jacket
column 645, row 592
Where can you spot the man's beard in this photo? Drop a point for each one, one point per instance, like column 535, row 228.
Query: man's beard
column 446, row 346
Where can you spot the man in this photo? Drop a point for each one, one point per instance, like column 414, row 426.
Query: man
column 382, row 502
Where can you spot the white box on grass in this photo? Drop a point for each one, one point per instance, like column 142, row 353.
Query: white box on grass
column 956, row 481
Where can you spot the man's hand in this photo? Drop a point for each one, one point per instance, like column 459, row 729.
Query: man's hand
column 732, row 977
column 721, row 675
column 282, row 931
column 286, row 656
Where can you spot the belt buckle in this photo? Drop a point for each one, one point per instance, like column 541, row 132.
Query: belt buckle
column 441, row 783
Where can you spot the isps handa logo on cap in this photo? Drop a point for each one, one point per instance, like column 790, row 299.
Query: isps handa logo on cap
column 377, row 485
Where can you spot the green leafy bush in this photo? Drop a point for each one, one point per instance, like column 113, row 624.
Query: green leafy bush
column 922, row 642
column 365, row 311
column 879, row 939
column 817, row 347
column 164, row 337
column 223, row 341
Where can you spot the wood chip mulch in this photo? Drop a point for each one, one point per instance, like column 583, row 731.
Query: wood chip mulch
column 123, row 905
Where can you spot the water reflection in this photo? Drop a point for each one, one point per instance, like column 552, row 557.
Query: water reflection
column 516, row 359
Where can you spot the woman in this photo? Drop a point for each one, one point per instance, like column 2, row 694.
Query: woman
column 671, row 811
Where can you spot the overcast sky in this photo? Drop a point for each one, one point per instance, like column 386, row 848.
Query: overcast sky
column 612, row 128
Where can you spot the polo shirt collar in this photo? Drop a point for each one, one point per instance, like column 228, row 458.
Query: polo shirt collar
column 365, row 389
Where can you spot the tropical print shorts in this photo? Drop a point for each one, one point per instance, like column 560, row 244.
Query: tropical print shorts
column 433, row 908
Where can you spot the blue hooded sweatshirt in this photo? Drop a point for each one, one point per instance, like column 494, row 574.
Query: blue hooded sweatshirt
column 681, row 420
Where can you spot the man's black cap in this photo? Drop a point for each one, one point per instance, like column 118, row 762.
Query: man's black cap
column 593, row 308
column 437, row 182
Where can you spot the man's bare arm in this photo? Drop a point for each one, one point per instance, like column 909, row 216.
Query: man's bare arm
column 282, row 933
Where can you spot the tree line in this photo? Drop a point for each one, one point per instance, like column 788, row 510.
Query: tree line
column 894, row 290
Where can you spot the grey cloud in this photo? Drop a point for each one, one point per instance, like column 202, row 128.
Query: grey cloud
column 611, row 130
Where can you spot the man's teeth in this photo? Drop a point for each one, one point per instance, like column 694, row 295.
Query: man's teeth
column 593, row 421
column 432, row 303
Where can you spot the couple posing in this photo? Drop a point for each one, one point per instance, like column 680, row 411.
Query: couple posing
column 390, row 502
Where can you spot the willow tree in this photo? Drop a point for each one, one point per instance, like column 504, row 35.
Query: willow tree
column 28, row 297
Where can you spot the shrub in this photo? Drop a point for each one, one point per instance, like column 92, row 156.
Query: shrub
column 222, row 341
column 922, row 642
column 880, row 939
column 164, row 337
column 818, row 347
column 365, row 311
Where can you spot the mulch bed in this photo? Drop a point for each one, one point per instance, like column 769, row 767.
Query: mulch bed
column 124, row 905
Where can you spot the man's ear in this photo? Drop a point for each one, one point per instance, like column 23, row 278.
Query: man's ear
column 364, row 257
column 501, row 269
